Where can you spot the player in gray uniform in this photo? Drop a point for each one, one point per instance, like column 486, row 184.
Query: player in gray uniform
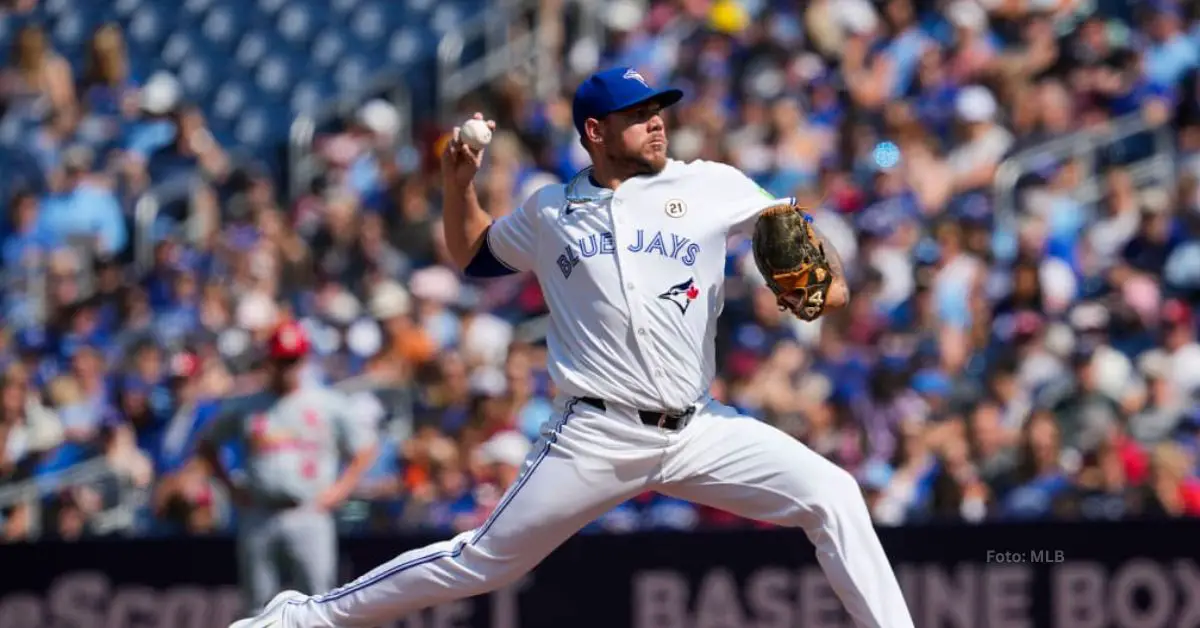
column 294, row 438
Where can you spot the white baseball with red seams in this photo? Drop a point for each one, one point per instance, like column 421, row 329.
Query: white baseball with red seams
column 634, row 281
column 475, row 133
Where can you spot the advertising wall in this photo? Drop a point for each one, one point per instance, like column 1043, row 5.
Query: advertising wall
column 1130, row 575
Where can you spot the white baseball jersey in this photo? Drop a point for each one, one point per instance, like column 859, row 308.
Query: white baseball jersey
column 634, row 281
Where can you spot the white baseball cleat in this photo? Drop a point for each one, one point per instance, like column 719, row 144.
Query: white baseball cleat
column 272, row 615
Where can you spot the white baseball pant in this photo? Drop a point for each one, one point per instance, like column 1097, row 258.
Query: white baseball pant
column 588, row 461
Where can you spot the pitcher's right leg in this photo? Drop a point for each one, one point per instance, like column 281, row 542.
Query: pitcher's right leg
column 744, row 466
column 567, row 482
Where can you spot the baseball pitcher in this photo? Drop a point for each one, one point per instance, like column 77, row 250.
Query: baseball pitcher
column 294, row 439
column 630, row 256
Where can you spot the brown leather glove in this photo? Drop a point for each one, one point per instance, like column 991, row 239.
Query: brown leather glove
column 791, row 257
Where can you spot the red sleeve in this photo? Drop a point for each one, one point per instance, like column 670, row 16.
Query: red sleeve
column 1191, row 497
column 1136, row 462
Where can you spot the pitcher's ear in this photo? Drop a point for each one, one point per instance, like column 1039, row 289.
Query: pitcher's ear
column 595, row 131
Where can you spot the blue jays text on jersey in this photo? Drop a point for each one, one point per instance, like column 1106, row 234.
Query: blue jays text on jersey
column 666, row 244
column 624, row 326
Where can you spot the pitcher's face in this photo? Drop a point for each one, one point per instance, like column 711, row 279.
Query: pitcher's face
column 635, row 138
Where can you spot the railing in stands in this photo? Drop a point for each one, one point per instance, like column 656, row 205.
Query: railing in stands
column 118, row 515
column 509, row 43
column 148, row 207
column 506, row 44
column 145, row 214
column 303, row 167
column 1086, row 145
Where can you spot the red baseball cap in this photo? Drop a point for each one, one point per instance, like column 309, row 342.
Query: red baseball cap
column 184, row 365
column 288, row 342
column 1176, row 312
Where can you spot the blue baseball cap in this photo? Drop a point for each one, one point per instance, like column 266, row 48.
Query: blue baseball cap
column 931, row 382
column 615, row 89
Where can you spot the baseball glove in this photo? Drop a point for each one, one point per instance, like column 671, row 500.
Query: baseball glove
column 791, row 257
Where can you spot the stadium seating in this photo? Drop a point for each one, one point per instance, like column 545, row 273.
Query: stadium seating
column 254, row 68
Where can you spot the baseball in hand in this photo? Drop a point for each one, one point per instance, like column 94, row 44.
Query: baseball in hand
column 475, row 133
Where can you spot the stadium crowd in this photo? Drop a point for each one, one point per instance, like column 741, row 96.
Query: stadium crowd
column 1043, row 367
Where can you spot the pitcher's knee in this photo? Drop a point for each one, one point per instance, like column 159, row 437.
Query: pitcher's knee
column 842, row 492
column 832, row 496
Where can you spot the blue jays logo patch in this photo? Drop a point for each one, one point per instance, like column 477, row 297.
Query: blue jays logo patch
column 682, row 294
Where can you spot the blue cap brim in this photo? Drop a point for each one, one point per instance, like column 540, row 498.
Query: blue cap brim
column 665, row 98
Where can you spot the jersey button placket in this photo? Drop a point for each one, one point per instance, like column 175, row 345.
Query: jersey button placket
column 618, row 238
column 628, row 268
column 623, row 269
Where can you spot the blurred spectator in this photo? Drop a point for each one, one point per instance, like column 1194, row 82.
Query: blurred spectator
column 992, row 443
column 108, row 89
column 83, row 210
column 455, row 509
column 498, row 464
column 405, row 346
column 1101, row 491
column 192, row 154
column 908, row 482
column 530, row 403
column 1173, row 490
column 958, row 492
column 27, row 245
column 27, row 429
column 36, row 80
column 149, row 128
column 1039, row 477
